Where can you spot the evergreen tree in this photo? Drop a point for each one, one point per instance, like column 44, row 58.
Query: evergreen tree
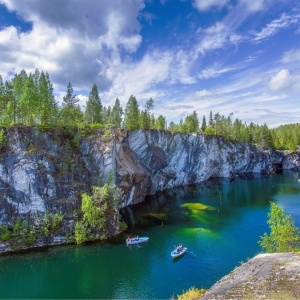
column 131, row 118
column 9, row 115
column 70, row 114
column 211, row 120
column 203, row 125
column 93, row 112
column 28, row 103
column 48, row 109
column 161, row 123
column 152, row 121
column 69, row 100
column 116, row 114
column 144, row 122
column 106, row 115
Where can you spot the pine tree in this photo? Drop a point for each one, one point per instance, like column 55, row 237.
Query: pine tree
column 70, row 100
column 93, row 112
column 48, row 109
column 203, row 125
column 116, row 114
column 70, row 114
column 211, row 120
column 131, row 118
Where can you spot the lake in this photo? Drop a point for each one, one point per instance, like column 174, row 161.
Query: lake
column 219, row 221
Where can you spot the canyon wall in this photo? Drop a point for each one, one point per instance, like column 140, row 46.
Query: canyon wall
column 45, row 171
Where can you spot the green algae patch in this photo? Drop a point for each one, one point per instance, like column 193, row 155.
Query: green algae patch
column 199, row 231
column 197, row 207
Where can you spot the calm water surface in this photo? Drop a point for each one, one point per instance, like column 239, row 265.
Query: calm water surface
column 219, row 221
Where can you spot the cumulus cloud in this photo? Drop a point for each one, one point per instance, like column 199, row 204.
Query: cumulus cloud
column 280, row 81
column 79, row 42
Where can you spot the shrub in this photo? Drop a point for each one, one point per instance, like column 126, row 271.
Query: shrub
column 192, row 294
column 284, row 235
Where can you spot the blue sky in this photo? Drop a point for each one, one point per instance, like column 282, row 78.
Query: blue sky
column 228, row 56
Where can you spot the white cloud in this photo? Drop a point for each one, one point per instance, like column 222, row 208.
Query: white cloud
column 203, row 5
column 253, row 5
column 70, row 42
column 273, row 27
column 204, row 93
column 280, row 81
column 214, row 72
column 291, row 56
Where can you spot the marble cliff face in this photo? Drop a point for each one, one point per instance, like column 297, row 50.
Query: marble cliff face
column 42, row 171
column 45, row 171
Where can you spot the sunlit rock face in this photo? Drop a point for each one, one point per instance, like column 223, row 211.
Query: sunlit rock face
column 46, row 171
column 181, row 159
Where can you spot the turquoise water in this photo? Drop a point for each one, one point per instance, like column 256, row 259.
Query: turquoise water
column 220, row 233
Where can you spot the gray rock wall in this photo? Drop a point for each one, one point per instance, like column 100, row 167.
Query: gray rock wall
column 46, row 171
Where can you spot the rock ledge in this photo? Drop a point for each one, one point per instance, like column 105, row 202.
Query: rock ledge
column 266, row 276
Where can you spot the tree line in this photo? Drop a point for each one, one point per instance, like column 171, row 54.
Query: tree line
column 28, row 99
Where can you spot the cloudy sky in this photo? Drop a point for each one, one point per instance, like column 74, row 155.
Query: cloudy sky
column 228, row 56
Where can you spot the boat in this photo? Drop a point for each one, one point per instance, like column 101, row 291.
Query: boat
column 177, row 252
column 136, row 240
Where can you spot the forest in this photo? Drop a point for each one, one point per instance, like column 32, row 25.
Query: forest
column 28, row 100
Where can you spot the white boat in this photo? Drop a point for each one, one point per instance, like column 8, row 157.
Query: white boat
column 178, row 252
column 136, row 240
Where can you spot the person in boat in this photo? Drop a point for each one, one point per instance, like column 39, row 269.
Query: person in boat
column 137, row 238
column 129, row 239
column 179, row 248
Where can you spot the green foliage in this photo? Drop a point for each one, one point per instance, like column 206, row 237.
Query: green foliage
column 203, row 125
column 210, row 131
column 30, row 235
column 123, row 226
column 160, row 123
column 2, row 139
column 93, row 112
column 96, row 210
column 92, row 215
column 5, row 234
column 17, row 228
column 57, row 219
column 51, row 222
column 81, row 232
column 131, row 118
column 192, row 123
column 28, row 99
column 284, row 235
column 115, row 117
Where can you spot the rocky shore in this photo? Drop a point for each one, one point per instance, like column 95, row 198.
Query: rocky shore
column 266, row 276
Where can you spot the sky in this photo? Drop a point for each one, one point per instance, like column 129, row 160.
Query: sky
column 224, row 56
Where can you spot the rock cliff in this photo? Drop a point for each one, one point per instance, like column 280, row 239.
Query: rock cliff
column 266, row 276
column 45, row 171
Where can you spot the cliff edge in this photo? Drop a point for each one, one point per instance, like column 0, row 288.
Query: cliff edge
column 266, row 276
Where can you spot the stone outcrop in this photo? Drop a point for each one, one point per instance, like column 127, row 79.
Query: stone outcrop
column 266, row 276
column 45, row 171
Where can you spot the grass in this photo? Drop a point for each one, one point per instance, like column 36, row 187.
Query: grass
column 192, row 294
